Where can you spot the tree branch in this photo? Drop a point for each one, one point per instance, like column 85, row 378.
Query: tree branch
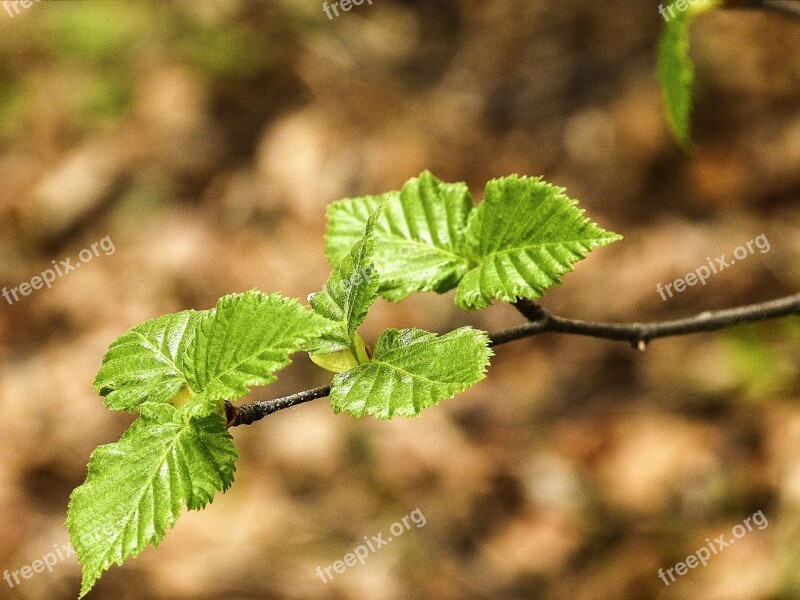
column 787, row 8
column 541, row 321
column 641, row 333
column 246, row 414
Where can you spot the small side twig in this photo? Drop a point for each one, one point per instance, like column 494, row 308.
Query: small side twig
column 247, row 414
column 644, row 332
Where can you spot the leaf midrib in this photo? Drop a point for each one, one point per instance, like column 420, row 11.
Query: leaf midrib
column 494, row 253
column 160, row 354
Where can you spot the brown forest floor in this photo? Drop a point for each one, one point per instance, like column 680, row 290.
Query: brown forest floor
column 205, row 138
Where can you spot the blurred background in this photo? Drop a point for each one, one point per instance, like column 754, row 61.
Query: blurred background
column 205, row 138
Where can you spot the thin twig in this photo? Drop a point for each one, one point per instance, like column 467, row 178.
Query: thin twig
column 247, row 414
column 635, row 333
column 541, row 321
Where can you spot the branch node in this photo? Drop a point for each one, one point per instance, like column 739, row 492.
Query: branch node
column 230, row 414
column 531, row 310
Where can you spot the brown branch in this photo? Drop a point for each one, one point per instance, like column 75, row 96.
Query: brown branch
column 638, row 333
column 247, row 414
column 541, row 321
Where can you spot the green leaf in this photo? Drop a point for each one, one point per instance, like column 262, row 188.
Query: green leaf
column 340, row 361
column 242, row 342
column 136, row 487
column 146, row 363
column 351, row 289
column 420, row 235
column 675, row 69
column 201, row 358
column 516, row 244
column 412, row 370
column 525, row 234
